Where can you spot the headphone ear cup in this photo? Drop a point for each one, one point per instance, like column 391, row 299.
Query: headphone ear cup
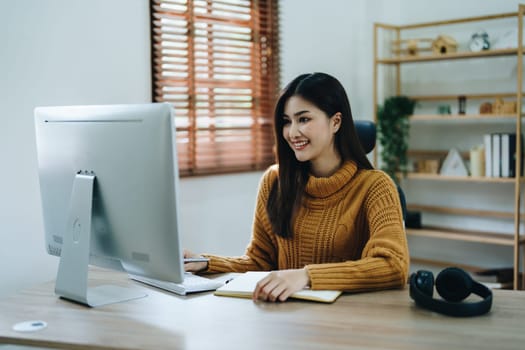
column 454, row 284
column 424, row 281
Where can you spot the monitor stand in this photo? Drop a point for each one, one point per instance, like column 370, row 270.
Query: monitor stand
column 72, row 277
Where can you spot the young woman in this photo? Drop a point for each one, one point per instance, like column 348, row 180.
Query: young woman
column 324, row 218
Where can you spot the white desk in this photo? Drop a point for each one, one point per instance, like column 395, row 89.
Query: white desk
column 385, row 320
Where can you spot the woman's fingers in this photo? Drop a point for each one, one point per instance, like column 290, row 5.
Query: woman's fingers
column 271, row 288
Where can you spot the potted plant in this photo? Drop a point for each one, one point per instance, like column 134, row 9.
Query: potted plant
column 393, row 130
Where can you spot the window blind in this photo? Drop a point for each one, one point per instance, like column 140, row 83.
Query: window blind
column 217, row 63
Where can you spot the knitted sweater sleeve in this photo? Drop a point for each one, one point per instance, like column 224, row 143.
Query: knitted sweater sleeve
column 384, row 260
column 261, row 253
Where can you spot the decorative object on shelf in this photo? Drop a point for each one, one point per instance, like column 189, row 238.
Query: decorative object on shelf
column 444, row 44
column 411, row 47
column 453, row 165
column 477, row 161
column 501, row 106
column 479, row 41
column 427, row 166
column 444, row 109
column 485, row 108
column 462, row 100
column 393, row 130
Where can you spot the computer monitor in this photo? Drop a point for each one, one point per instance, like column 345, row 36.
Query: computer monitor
column 109, row 185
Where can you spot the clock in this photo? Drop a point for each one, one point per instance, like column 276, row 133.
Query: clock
column 479, row 42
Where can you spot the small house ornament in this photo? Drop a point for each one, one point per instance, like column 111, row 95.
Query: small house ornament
column 444, row 44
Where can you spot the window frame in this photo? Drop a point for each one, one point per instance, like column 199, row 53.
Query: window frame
column 218, row 147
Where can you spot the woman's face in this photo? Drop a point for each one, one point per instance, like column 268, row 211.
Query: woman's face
column 310, row 132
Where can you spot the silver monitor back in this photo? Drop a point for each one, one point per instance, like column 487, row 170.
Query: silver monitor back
column 129, row 152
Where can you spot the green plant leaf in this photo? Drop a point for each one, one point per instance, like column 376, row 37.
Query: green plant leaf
column 393, row 130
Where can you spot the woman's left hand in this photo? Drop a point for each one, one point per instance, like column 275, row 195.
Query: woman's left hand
column 279, row 285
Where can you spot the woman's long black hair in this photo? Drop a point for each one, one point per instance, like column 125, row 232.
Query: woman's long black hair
column 327, row 93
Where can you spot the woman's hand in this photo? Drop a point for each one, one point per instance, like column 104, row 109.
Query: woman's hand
column 194, row 266
column 279, row 285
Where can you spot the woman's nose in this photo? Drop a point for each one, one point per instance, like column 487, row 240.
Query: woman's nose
column 293, row 130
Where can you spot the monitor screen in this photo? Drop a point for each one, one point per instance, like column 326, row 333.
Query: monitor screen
column 109, row 185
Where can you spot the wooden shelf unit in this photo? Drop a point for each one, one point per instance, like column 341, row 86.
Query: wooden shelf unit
column 462, row 211
column 464, row 235
column 515, row 239
column 450, row 56
column 437, row 177
column 464, row 118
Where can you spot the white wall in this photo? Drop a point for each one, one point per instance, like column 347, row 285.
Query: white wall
column 55, row 52
column 217, row 212
column 416, row 11
column 335, row 37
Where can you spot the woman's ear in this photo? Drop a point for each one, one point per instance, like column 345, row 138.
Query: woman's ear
column 336, row 121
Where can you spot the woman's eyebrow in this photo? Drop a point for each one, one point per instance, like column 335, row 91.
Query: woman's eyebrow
column 300, row 113
column 296, row 114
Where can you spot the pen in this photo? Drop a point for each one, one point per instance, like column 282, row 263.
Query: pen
column 190, row 260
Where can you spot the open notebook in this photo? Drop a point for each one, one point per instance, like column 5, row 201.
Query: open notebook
column 243, row 286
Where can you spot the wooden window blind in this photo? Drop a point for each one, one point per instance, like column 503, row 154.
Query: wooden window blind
column 217, row 63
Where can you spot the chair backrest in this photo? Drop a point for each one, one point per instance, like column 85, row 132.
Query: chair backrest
column 366, row 130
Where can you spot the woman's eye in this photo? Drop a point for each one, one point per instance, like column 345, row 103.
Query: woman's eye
column 286, row 121
column 303, row 119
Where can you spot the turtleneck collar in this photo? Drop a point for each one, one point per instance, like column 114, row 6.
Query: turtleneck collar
column 322, row 187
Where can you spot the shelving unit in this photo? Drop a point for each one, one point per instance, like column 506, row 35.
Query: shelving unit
column 395, row 59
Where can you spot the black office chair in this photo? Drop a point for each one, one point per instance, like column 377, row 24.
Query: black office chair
column 366, row 130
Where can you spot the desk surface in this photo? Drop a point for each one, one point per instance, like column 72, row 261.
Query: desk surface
column 385, row 320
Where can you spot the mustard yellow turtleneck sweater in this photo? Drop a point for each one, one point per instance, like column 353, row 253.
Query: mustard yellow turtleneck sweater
column 348, row 233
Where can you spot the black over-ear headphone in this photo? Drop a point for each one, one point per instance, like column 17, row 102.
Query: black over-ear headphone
column 453, row 285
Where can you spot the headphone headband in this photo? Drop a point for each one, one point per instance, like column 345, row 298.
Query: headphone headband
column 457, row 280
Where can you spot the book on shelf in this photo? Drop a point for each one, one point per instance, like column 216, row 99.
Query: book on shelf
column 496, row 155
column 505, row 155
column 500, row 155
column 243, row 286
column 487, row 141
column 509, row 154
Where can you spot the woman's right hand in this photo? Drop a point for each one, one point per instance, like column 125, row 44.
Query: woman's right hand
column 194, row 266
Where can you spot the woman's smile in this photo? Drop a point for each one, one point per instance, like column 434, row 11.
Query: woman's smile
column 300, row 145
